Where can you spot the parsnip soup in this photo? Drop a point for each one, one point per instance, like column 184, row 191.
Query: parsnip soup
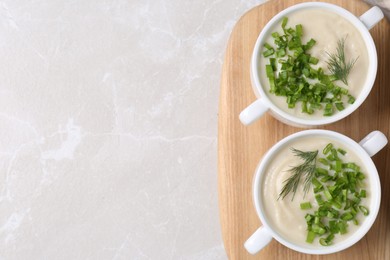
column 332, row 195
column 314, row 64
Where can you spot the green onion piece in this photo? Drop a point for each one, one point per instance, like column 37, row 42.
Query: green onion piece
column 322, row 212
column 306, row 72
column 341, row 151
column 324, row 162
column 310, row 44
column 268, row 52
column 327, row 148
column 354, row 210
column 364, row 210
column 336, row 204
column 269, row 71
column 306, row 205
column 310, row 237
column 360, row 176
column 329, row 239
column 347, row 216
column 334, row 154
column 345, row 195
column 333, row 227
column 280, row 53
column 284, row 22
column 324, row 242
column 309, row 218
column 328, row 111
column 351, row 99
column 319, row 199
column 339, row 106
column 342, row 225
column 316, row 183
column 267, row 46
column 298, row 30
column 327, row 194
column 351, row 166
column 338, row 166
column 326, row 178
column 313, row 60
column 318, row 229
column 318, row 189
column 334, row 212
column 272, row 62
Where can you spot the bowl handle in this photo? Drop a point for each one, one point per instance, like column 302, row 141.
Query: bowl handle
column 373, row 142
column 371, row 17
column 252, row 112
column 258, row 240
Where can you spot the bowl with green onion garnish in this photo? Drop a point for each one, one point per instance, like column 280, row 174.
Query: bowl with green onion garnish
column 313, row 64
column 317, row 191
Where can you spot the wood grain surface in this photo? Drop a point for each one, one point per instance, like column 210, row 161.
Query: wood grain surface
column 240, row 148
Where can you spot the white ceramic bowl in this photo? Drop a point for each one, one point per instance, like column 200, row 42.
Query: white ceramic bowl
column 263, row 103
column 366, row 148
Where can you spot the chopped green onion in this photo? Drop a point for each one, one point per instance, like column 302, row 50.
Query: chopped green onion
column 268, row 52
column 291, row 81
column 310, row 44
column 316, row 183
column 328, row 111
column 310, row 237
column 339, row 106
column 343, row 152
column 351, row 166
column 319, row 199
column 364, row 210
column 327, row 148
column 267, row 46
column 342, row 225
column 362, row 194
column 351, row 99
column 284, row 22
column 280, row 53
column 269, row 71
column 313, row 60
column 347, row 216
column 318, row 229
column 338, row 194
column 327, row 194
column 324, row 162
column 306, row 205
column 298, row 29
column 309, row 218
column 338, row 166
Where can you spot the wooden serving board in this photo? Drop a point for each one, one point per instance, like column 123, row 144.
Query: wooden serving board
column 240, row 148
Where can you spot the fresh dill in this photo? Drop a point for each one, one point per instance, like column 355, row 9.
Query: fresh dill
column 306, row 169
column 337, row 64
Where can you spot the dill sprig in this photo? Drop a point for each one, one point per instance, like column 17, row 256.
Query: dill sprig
column 306, row 169
column 337, row 64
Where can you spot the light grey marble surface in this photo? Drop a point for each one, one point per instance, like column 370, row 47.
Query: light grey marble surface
column 108, row 130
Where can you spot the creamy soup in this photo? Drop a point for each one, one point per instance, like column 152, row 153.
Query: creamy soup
column 285, row 215
column 326, row 28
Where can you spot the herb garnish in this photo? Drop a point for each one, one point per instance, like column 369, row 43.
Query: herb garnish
column 337, row 64
column 338, row 193
column 306, row 169
column 291, row 73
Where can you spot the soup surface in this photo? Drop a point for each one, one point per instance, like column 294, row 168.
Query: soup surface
column 285, row 215
column 326, row 28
